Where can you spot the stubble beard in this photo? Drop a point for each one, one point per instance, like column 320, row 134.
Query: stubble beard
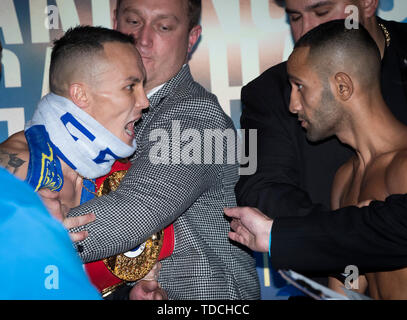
column 326, row 119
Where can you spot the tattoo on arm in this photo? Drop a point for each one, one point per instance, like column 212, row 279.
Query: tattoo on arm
column 10, row 161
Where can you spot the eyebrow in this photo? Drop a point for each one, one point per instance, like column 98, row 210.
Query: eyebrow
column 160, row 16
column 131, row 10
column 291, row 77
column 167, row 16
column 311, row 7
column 134, row 79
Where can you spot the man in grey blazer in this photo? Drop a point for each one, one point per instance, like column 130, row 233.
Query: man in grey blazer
column 176, row 176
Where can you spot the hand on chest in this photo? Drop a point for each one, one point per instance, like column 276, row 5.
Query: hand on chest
column 70, row 194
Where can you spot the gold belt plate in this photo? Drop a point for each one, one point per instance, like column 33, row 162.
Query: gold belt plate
column 122, row 266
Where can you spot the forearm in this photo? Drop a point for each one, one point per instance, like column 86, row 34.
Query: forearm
column 372, row 238
column 142, row 205
column 121, row 224
column 276, row 199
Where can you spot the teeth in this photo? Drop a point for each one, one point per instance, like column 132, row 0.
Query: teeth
column 130, row 132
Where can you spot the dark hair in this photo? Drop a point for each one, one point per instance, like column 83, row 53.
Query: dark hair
column 79, row 43
column 333, row 37
column 280, row 3
column 194, row 11
column 336, row 31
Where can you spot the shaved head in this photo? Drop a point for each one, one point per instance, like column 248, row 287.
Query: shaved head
column 330, row 70
column 334, row 48
column 76, row 56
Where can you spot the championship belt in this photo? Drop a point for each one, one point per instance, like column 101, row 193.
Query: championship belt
column 110, row 273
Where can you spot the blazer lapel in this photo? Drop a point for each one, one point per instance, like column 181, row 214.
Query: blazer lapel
column 171, row 87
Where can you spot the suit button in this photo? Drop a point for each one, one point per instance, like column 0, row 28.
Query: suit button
column 79, row 248
column 405, row 62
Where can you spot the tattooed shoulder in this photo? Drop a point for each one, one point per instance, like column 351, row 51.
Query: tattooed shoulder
column 10, row 161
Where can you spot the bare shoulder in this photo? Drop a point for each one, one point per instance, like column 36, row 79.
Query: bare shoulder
column 14, row 155
column 396, row 173
column 341, row 179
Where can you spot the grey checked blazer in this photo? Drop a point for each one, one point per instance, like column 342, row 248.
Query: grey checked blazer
column 204, row 264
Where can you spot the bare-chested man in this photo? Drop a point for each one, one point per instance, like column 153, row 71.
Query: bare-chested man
column 335, row 78
column 84, row 124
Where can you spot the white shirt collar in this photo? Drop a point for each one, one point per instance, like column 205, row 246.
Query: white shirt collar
column 156, row 89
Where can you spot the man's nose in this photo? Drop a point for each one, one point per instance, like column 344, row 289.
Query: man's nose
column 295, row 104
column 309, row 23
column 142, row 101
column 143, row 36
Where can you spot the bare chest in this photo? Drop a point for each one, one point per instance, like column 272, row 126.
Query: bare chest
column 368, row 184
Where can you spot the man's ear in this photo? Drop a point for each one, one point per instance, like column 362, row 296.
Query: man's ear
column 369, row 7
column 194, row 35
column 343, row 86
column 79, row 95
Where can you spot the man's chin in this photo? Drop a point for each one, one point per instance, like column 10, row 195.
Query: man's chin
column 312, row 136
column 316, row 137
column 130, row 143
column 127, row 140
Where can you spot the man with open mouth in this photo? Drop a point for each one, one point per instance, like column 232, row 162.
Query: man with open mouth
column 85, row 124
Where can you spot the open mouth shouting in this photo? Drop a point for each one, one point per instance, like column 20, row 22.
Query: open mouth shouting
column 129, row 128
